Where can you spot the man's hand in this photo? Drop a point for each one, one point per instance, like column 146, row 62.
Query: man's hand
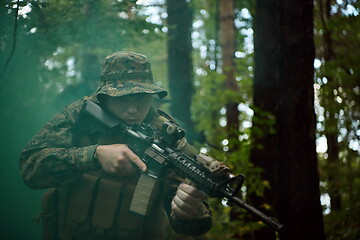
column 187, row 203
column 118, row 159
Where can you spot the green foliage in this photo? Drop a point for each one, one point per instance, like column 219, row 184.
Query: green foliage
column 209, row 110
column 337, row 81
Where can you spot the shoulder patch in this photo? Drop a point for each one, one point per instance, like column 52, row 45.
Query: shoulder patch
column 56, row 121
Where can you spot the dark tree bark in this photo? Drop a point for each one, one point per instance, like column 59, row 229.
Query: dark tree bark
column 180, row 66
column 283, row 86
column 227, row 43
column 90, row 62
column 265, row 83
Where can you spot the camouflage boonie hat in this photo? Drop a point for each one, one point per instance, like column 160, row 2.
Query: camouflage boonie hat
column 125, row 73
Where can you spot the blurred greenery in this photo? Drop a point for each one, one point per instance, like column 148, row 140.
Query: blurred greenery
column 338, row 89
column 50, row 54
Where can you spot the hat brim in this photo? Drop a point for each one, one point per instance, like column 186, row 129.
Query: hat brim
column 118, row 89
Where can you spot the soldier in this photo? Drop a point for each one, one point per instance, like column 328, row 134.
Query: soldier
column 92, row 175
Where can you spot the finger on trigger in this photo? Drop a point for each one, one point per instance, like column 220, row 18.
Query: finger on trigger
column 136, row 160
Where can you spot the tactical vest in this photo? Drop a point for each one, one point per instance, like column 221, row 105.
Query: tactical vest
column 97, row 206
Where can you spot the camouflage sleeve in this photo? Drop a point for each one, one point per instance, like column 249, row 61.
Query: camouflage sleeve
column 193, row 227
column 50, row 159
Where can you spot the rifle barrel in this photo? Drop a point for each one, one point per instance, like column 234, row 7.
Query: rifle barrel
column 252, row 210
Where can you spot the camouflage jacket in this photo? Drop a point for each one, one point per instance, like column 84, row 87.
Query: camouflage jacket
column 53, row 159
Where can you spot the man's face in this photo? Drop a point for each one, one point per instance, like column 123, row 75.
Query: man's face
column 132, row 109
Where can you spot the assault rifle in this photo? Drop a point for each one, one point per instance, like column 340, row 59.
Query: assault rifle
column 157, row 149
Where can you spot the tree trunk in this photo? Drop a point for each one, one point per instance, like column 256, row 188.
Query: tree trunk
column 180, row 66
column 283, row 86
column 89, row 63
column 227, row 43
column 266, row 43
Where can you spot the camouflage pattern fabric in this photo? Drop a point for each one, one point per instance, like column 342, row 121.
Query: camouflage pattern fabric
column 53, row 159
column 126, row 73
column 50, row 158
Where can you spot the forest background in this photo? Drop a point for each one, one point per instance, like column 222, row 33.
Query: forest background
column 269, row 87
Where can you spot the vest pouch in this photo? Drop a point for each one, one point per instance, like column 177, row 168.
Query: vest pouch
column 49, row 214
column 81, row 195
column 106, row 206
column 129, row 223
